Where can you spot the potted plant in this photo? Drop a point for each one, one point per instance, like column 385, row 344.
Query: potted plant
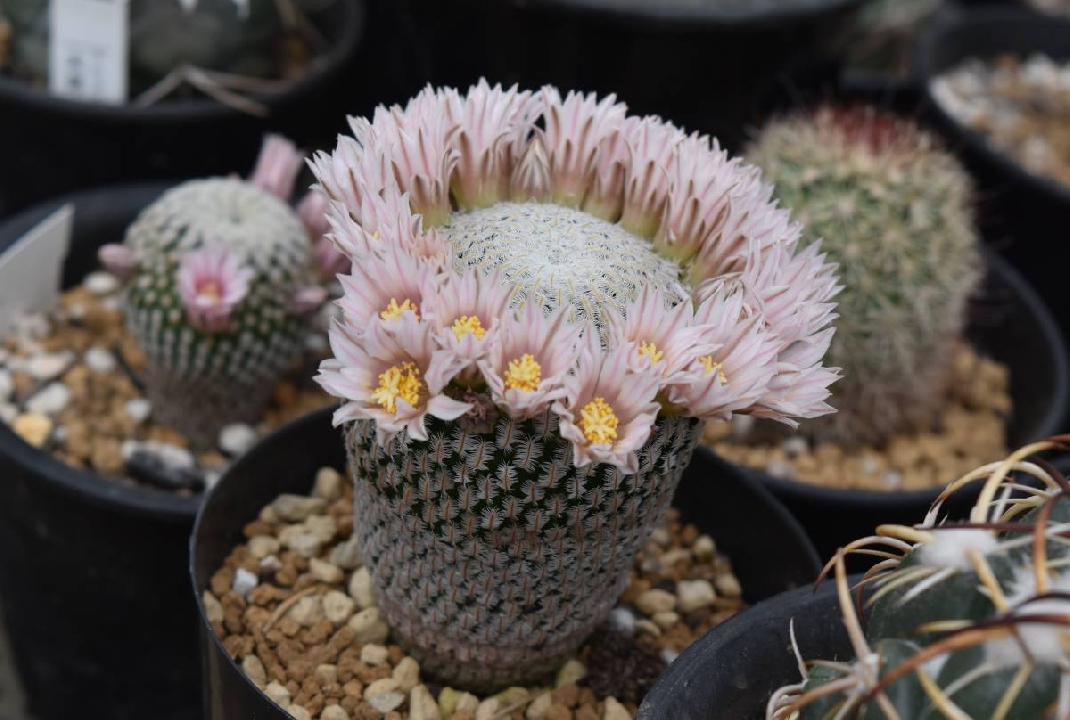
column 552, row 299
column 103, row 478
column 962, row 619
column 916, row 401
column 205, row 79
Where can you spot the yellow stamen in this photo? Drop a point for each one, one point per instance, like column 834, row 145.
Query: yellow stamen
column 652, row 352
column 598, row 422
column 468, row 325
column 211, row 291
column 393, row 310
column 400, row 381
column 714, row 367
column 524, row 373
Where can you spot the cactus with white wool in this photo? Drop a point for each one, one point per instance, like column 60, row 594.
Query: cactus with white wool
column 967, row 619
column 220, row 274
column 551, row 298
column 895, row 211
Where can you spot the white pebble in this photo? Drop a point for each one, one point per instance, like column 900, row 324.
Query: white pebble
column 892, row 479
column 138, row 409
column 260, row 546
column 656, row 601
column 328, row 484
column 270, row 564
column 615, row 711
column 244, row 582
column 31, row 327
column 346, row 555
column 338, row 607
column 407, row 674
column 695, row 594
column 50, row 400
column 48, row 365
column 334, row 712
column 360, row 588
column 170, row 455
column 623, row 621
column 373, row 654
column 384, row 702
column 254, row 670
column 669, row 655
column 422, row 706
column 704, row 548
column 307, row 611
column 8, row 413
column 294, row 508
column 779, row 469
column 236, row 439
column 278, row 693
column 99, row 360
column 325, row 571
column 7, row 384
column 383, row 686
column 101, row 283
column 795, row 446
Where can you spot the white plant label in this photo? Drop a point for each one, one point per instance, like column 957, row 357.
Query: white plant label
column 89, row 49
column 31, row 270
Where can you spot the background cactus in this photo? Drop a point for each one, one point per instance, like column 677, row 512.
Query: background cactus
column 895, row 211
column 252, row 38
column 219, row 273
column 967, row 620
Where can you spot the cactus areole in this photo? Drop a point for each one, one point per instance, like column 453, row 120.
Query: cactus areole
column 548, row 298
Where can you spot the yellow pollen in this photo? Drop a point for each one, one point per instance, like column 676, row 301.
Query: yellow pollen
column 468, row 325
column 714, row 367
column 652, row 352
column 210, row 290
column 598, row 422
column 400, row 381
column 393, row 310
column 524, row 373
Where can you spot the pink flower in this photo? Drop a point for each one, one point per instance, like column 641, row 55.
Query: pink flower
column 663, row 340
column 276, row 168
column 526, row 367
column 467, row 311
column 382, row 288
column 607, row 411
column 211, row 283
column 392, row 375
column 651, row 148
column 312, row 209
column 576, row 128
column 530, row 180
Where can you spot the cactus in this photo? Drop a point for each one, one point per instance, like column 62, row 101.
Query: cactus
column 240, row 37
column 895, row 211
column 219, row 273
column 968, row 619
column 540, row 320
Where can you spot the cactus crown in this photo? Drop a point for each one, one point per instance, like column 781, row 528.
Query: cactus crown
column 895, row 212
column 967, row 620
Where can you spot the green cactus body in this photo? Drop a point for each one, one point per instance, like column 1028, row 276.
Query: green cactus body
column 977, row 686
column 200, row 381
column 895, row 212
column 495, row 556
column 906, row 694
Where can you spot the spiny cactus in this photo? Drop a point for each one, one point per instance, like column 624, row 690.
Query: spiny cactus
column 219, row 273
column 895, row 211
column 967, row 620
column 525, row 376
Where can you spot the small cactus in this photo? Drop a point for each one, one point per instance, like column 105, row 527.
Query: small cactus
column 895, row 211
column 967, row 619
column 219, row 273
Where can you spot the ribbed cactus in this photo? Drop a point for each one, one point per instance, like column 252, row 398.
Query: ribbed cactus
column 219, row 273
column 967, row 620
column 244, row 37
column 895, row 211
column 548, row 300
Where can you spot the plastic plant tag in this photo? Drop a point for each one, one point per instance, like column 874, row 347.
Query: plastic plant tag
column 89, row 49
column 32, row 270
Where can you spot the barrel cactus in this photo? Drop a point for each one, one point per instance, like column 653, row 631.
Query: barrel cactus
column 895, row 211
column 550, row 299
column 219, row 274
column 967, row 619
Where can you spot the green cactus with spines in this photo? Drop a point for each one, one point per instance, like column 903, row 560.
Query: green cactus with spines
column 968, row 621
column 895, row 211
column 211, row 367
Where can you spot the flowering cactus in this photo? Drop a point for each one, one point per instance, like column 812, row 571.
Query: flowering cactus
column 219, row 274
column 896, row 213
column 539, row 318
column 967, row 620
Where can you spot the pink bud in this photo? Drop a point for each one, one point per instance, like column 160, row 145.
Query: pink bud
column 276, row 168
column 308, row 299
column 313, row 213
column 119, row 260
column 330, row 261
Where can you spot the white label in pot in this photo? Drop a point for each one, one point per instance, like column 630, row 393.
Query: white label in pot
column 31, row 270
column 89, row 48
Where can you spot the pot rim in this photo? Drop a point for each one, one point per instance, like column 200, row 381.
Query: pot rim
column 18, row 92
column 698, row 17
column 88, row 486
column 1050, row 425
column 925, row 71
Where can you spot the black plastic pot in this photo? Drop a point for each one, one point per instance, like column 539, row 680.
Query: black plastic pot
column 768, row 549
column 92, row 571
column 52, row 145
column 733, row 670
column 1021, row 209
column 1008, row 323
column 696, row 63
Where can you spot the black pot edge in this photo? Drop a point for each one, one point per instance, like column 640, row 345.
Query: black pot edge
column 332, row 63
column 958, row 133
column 92, row 488
column 691, row 19
column 210, row 642
column 1052, row 425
